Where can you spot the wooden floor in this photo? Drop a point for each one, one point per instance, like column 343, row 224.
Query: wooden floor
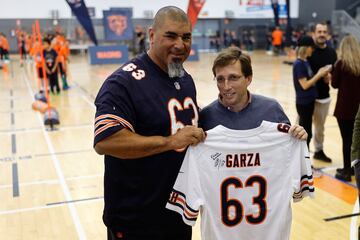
column 51, row 182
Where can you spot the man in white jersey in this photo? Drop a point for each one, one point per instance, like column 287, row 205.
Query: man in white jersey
column 242, row 178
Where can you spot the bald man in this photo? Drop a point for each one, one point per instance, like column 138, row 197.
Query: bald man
column 146, row 116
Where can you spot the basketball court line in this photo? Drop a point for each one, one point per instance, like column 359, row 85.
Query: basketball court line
column 353, row 223
column 35, row 129
column 15, row 180
column 53, row 181
column 73, row 201
column 21, row 210
column 74, row 215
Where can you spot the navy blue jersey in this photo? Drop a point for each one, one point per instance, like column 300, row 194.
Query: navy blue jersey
column 141, row 97
column 302, row 69
column 260, row 108
column 50, row 58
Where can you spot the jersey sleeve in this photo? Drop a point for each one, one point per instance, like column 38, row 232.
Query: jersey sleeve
column 185, row 197
column 303, row 183
column 114, row 108
column 300, row 71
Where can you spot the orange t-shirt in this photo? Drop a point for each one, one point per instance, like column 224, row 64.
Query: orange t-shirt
column 277, row 37
column 36, row 54
column 4, row 43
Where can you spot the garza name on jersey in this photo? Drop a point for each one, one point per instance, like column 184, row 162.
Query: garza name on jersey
column 243, row 181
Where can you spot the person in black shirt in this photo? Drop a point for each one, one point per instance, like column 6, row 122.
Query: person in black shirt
column 323, row 55
column 146, row 116
column 51, row 66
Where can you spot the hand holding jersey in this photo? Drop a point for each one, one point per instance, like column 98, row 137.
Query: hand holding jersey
column 298, row 132
column 189, row 135
column 242, row 180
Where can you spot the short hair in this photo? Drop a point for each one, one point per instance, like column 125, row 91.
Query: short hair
column 46, row 40
column 229, row 56
column 320, row 23
column 173, row 13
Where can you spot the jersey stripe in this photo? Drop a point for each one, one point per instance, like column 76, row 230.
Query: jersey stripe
column 306, row 188
column 179, row 199
column 106, row 121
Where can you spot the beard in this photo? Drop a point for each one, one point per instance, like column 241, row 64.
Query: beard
column 175, row 69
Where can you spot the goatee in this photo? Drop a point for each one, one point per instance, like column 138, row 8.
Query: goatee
column 175, row 69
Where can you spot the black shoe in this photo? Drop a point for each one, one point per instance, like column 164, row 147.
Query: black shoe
column 320, row 155
column 342, row 170
column 345, row 176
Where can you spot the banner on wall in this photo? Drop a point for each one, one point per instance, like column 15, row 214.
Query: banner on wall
column 80, row 10
column 108, row 54
column 264, row 8
column 194, row 9
column 118, row 24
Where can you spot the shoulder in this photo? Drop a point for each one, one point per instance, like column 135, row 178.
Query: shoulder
column 265, row 101
column 338, row 64
column 135, row 69
column 209, row 108
column 268, row 107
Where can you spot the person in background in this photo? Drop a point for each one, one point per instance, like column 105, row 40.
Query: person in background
column 51, row 66
column 346, row 78
column 321, row 56
column 36, row 53
column 60, row 46
column 140, row 38
column 277, row 39
column 4, row 47
column 146, row 116
column 304, row 83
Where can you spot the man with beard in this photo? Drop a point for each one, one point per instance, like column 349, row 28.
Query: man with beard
column 146, row 116
column 321, row 56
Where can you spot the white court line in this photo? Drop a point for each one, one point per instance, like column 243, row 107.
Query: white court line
column 74, row 215
column 353, row 226
column 52, row 181
column 28, row 130
column 21, row 210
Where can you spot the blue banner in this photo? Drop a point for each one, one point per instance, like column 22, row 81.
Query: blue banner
column 108, row 54
column 118, row 24
column 80, row 10
column 194, row 53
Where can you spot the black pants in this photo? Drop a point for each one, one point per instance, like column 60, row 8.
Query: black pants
column 142, row 235
column 346, row 130
column 54, row 82
column 305, row 118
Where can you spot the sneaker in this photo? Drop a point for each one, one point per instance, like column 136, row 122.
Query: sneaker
column 316, row 172
column 320, row 155
column 342, row 171
column 345, row 176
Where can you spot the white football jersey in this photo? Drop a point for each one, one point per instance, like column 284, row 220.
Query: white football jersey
column 242, row 182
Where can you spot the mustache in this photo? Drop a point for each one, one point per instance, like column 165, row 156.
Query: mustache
column 175, row 69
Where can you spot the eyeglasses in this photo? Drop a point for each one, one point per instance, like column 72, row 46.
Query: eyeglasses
column 230, row 78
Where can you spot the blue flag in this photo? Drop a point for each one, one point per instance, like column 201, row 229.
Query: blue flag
column 79, row 9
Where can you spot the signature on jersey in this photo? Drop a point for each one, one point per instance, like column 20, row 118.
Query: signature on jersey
column 218, row 162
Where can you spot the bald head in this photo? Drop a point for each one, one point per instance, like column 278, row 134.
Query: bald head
column 172, row 13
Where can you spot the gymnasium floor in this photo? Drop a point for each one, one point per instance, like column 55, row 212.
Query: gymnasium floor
column 51, row 182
